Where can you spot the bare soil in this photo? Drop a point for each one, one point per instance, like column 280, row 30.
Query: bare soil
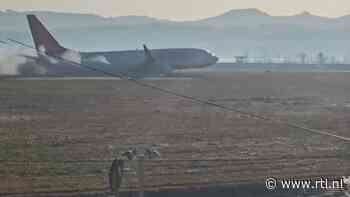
column 47, row 122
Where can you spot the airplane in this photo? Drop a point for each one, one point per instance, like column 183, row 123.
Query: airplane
column 135, row 63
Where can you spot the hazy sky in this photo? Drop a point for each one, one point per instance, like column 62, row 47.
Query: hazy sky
column 181, row 9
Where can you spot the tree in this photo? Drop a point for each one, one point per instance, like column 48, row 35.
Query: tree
column 321, row 58
column 302, row 57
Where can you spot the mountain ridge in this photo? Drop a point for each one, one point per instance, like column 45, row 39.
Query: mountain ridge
column 231, row 18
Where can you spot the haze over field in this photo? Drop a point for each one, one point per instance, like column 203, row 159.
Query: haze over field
column 237, row 32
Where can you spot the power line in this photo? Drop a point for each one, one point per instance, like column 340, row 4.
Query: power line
column 195, row 99
column 158, row 161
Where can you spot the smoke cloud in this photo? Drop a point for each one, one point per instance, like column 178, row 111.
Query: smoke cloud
column 14, row 62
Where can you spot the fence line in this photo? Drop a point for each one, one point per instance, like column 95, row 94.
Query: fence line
column 199, row 171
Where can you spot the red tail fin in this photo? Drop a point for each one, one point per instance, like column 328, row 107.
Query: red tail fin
column 43, row 40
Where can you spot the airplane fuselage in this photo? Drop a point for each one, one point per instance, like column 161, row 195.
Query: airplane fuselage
column 165, row 60
column 133, row 62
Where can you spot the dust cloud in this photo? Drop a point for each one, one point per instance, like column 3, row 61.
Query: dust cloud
column 13, row 61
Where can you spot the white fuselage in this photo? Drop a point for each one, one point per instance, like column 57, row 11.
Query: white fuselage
column 165, row 60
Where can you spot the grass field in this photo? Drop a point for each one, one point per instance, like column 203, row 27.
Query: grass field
column 60, row 120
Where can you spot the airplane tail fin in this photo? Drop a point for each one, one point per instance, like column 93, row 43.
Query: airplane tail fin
column 43, row 39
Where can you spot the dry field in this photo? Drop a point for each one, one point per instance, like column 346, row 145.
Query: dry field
column 69, row 120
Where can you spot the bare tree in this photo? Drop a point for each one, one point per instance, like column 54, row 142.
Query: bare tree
column 302, row 57
column 321, row 58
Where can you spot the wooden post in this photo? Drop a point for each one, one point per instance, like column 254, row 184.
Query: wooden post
column 141, row 175
column 116, row 176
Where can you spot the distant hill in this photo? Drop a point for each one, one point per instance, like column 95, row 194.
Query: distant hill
column 236, row 32
column 245, row 17
column 136, row 20
column 255, row 17
column 15, row 21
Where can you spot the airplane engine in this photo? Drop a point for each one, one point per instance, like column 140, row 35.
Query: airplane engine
column 98, row 59
column 71, row 56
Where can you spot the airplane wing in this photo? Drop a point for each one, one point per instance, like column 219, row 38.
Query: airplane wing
column 33, row 58
column 149, row 66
